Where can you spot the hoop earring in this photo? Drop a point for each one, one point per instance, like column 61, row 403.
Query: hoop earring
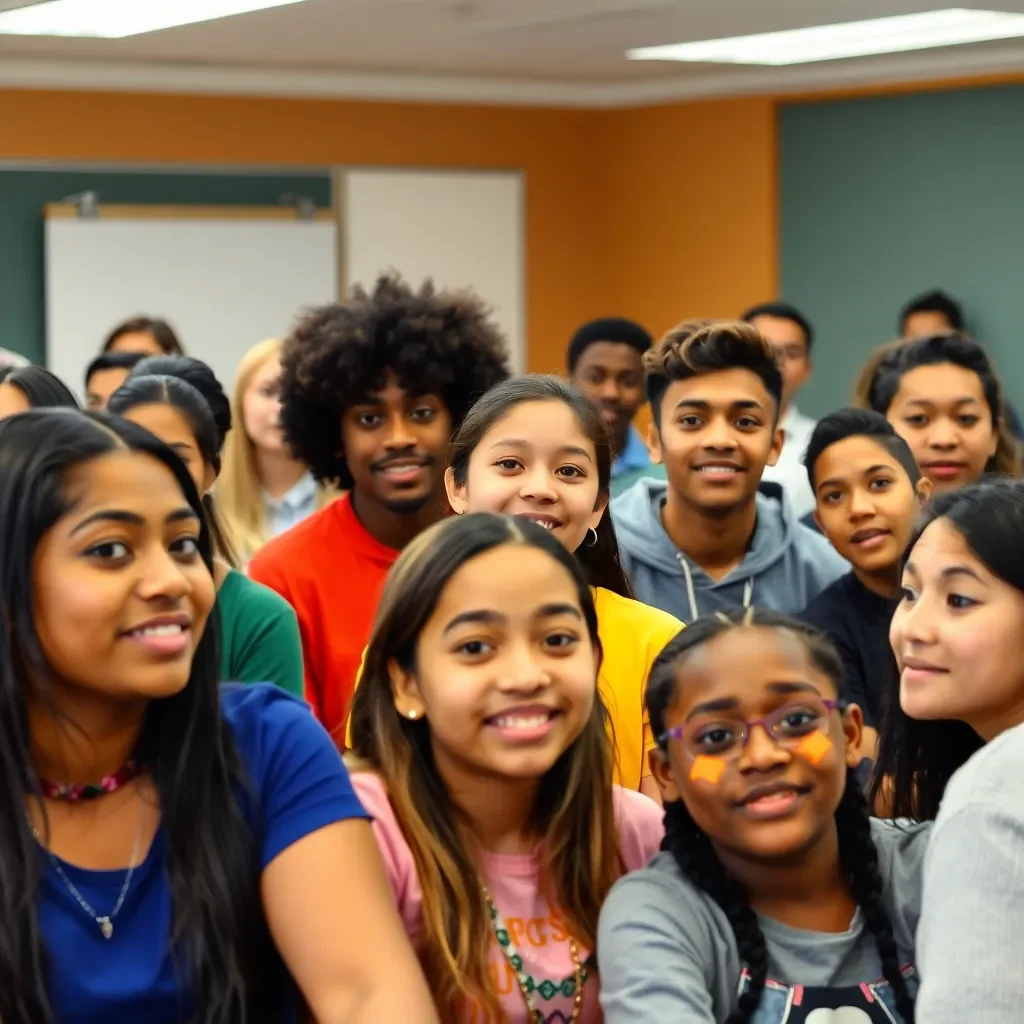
column 591, row 539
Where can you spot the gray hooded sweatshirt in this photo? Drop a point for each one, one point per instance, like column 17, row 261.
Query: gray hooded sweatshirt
column 788, row 564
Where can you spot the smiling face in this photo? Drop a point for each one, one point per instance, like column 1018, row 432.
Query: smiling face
column 167, row 423
column 866, row 504
column 951, row 635
column 537, row 463
column 942, row 414
column 261, row 407
column 121, row 592
column 611, row 375
column 715, row 436
column 505, row 671
column 395, row 443
column 771, row 802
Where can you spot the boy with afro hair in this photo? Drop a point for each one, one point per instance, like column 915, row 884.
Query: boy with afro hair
column 371, row 390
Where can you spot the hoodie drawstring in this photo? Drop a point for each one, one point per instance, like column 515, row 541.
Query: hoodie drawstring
column 691, row 593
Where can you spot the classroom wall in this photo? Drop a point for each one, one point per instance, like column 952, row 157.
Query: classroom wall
column 566, row 272
column 884, row 197
column 614, row 199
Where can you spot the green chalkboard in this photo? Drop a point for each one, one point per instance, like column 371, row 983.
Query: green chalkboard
column 886, row 197
column 24, row 193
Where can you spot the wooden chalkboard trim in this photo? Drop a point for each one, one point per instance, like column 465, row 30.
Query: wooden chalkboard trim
column 183, row 211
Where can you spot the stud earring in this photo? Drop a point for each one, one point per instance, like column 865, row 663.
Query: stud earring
column 412, row 714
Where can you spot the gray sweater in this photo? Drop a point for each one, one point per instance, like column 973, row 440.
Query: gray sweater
column 667, row 955
column 972, row 921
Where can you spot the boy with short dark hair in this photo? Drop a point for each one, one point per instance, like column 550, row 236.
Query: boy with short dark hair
column 868, row 491
column 934, row 312
column 371, row 390
column 605, row 360
column 713, row 536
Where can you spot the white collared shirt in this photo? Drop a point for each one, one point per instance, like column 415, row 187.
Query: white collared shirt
column 790, row 470
column 292, row 507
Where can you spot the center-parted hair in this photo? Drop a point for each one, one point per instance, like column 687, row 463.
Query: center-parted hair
column 573, row 810
column 917, row 758
column 894, row 362
column 845, row 423
column 218, row 934
column 189, row 386
column 44, row 390
column 700, row 347
column 695, row 854
column 601, row 559
column 434, row 342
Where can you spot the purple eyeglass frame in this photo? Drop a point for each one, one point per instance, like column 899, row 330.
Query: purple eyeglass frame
column 677, row 732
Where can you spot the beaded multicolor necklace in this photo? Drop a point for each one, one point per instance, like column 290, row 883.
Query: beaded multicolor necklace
column 570, row 986
column 74, row 792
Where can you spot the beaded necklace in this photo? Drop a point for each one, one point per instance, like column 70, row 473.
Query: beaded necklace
column 570, row 986
column 75, row 792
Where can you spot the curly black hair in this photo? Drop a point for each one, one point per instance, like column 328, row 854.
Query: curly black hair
column 435, row 342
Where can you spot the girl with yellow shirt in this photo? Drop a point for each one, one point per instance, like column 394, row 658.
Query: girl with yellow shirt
column 532, row 447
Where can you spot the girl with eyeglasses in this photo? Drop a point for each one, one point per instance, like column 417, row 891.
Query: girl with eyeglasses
column 776, row 898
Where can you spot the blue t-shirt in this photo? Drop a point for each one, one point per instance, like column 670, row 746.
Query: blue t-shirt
column 300, row 785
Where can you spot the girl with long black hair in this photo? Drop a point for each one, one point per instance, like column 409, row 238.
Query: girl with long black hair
column 168, row 849
column 776, row 898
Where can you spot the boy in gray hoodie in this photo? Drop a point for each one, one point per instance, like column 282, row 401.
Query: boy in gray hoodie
column 713, row 535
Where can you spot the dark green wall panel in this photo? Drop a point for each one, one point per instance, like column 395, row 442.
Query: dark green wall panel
column 24, row 193
column 885, row 197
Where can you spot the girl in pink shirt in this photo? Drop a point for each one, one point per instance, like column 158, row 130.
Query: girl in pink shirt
column 479, row 747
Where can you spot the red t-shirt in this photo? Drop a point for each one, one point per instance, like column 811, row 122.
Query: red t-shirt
column 331, row 571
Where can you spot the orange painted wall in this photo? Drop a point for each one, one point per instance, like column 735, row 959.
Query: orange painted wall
column 692, row 209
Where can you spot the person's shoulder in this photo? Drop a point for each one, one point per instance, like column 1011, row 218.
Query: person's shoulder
column 821, row 610
column 253, row 598
column 282, row 551
column 899, row 839
column 641, row 826
column 372, row 793
column 628, row 613
column 262, row 715
column 993, row 775
column 817, row 553
column 662, row 885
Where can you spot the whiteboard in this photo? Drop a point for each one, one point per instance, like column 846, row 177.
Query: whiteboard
column 461, row 228
column 223, row 284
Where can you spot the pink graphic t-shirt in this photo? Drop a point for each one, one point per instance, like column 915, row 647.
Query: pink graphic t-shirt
column 535, row 928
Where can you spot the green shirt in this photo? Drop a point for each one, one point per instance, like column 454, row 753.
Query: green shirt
column 259, row 635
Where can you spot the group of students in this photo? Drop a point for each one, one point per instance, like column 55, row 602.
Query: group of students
column 525, row 688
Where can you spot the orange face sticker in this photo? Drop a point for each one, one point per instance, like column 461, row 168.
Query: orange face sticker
column 707, row 769
column 815, row 747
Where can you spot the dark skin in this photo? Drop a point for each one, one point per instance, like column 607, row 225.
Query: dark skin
column 611, row 375
column 788, row 863
column 395, row 443
column 715, row 435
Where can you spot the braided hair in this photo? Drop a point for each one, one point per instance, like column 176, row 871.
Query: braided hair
column 695, row 854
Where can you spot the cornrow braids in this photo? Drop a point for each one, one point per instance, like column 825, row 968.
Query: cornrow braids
column 859, row 858
column 698, row 861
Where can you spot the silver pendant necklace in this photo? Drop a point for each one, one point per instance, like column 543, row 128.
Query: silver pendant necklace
column 106, row 922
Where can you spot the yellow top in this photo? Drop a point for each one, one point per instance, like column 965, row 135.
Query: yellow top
column 632, row 635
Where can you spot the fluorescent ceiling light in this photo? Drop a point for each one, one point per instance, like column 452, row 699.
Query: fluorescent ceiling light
column 849, row 39
column 116, row 19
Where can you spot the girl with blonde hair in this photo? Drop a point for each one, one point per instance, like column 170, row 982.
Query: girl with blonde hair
column 263, row 489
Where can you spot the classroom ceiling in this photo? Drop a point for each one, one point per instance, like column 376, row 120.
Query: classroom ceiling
column 577, row 45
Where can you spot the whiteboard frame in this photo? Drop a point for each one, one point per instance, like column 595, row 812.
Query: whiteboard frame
column 339, row 192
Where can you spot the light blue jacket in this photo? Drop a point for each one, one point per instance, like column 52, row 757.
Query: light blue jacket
column 787, row 565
